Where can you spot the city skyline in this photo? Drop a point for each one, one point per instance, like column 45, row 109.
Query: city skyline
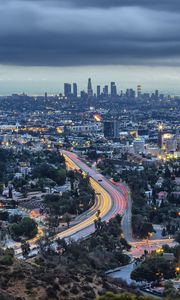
column 130, row 42
column 89, row 149
column 26, row 79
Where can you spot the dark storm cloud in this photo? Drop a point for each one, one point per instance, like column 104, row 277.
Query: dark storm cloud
column 157, row 4
column 81, row 32
column 171, row 4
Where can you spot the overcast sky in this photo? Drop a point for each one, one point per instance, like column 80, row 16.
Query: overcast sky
column 44, row 43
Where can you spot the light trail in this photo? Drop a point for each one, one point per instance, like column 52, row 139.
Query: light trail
column 111, row 201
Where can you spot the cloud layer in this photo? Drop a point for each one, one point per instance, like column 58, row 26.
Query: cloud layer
column 89, row 32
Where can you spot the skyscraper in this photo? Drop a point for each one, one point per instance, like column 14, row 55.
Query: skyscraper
column 67, row 89
column 111, row 129
column 156, row 94
column 98, row 90
column 75, row 90
column 105, row 90
column 130, row 93
column 89, row 89
column 139, row 91
column 113, row 89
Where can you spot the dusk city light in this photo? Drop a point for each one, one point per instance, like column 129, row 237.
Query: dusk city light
column 89, row 150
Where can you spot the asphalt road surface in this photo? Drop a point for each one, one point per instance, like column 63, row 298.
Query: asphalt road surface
column 111, row 201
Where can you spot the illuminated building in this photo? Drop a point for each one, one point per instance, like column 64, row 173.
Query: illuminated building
column 171, row 145
column 138, row 145
column 97, row 118
column 164, row 138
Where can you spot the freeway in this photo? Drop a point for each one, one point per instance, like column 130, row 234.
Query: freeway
column 110, row 200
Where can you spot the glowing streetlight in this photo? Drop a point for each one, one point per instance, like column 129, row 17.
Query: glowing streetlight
column 160, row 127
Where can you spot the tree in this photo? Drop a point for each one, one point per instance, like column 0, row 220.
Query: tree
column 146, row 229
column 154, row 268
column 71, row 176
column 25, row 247
column 24, row 191
column 53, row 220
column 62, row 245
column 163, row 233
column 16, row 231
column 67, row 219
column 52, row 203
column 167, row 173
column 8, row 257
column 170, row 292
column 10, row 194
column 4, row 215
column 29, row 227
column 141, row 227
column 26, row 227
column 48, row 171
column 1, row 188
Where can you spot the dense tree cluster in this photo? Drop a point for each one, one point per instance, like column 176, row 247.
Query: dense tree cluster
column 79, row 199
column 170, row 292
column 49, row 167
column 6, row 257
column 145, row 214
column 106, row 167
column 154, row 268
column 48, row 171
column 6, row 157
column 103, row 250
column 27, row 228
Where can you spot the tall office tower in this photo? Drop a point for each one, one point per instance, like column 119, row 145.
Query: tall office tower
column 156, row 94
column 139, row 91
column 98, row 91
column 111, row 129
column 75, row 90
column 89, row 89
column 130, row 93
column 83, row 95
column 67, row 89
column 113, row 89
column 105, row 90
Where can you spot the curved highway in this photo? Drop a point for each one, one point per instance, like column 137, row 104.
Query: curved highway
column 110, row 201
